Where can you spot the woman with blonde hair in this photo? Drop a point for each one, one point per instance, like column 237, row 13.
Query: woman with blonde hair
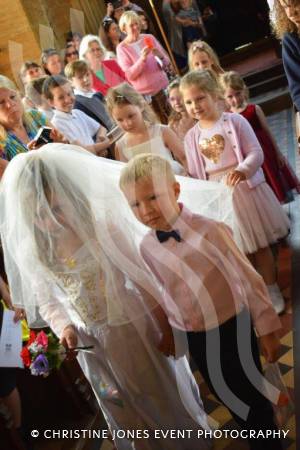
column 17, row 127
column 145, row 63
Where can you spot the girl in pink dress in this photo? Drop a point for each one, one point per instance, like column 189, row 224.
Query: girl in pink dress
column 223, row 147
column 278, row 174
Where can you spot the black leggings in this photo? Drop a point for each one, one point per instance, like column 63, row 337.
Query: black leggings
column 227, row 372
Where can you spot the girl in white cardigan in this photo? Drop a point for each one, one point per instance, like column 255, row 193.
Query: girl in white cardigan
column 223, row 147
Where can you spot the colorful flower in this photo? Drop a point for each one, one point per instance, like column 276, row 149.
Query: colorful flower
column 40, row 366
column 42, row 339
column 26, row 357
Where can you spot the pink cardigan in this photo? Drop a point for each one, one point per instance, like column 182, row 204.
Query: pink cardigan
column 244, row 143
column 113, row 76
column 145, row 76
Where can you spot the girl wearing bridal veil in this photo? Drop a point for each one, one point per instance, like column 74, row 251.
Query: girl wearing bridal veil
column 70, row 244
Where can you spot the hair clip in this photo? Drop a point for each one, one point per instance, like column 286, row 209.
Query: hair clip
column 197, row 46
column 120, row 96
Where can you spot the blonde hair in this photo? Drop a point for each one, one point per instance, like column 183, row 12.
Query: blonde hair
column 234, row 81
column 127, row 18
column 78, row 67
column 173, row 85
column 124, row 94
column 7, row 83
column 202, row 46
column 174, row 116
column 145, row 166
column 205, row 80
column 281, row 24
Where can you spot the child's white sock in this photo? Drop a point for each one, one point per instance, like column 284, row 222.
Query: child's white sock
column 276, row 297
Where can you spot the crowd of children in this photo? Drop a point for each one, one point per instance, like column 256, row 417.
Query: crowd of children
column 199, row 283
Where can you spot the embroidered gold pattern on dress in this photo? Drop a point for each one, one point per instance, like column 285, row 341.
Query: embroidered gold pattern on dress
column 212, row 148
column 84, row 291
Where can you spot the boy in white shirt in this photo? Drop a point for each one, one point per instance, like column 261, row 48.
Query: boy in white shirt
column 75, row 125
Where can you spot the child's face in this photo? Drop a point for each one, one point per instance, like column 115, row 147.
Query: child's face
column 292, row 10
column 83, row 81
column 54, row 64
column 234, row 98
column 155, row 205
column 176, row 100
column 63, row 98
column 201, row 60
column 128, row 117
column 200, row 105
column 32, row 73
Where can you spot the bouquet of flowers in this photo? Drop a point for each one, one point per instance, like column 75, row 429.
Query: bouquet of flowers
column 42, row 353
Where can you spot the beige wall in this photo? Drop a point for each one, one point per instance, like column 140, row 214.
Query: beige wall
column 27, row 26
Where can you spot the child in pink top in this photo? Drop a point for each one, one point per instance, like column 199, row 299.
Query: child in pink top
column 223, row 147
column 279, row 175
column 209, row 289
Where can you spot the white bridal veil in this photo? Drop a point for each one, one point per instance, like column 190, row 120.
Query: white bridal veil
column 60, row 191
column 85, row 189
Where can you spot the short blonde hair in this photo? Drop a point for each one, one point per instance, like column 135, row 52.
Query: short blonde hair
column 204, row 80
column 124, row 94
column 233, row 80
column 7, row 83
column 145, row 166
column 202, row 46
column 127, row 18
column 78, row 67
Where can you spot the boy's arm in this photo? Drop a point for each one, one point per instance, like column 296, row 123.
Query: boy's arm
column 166, row 345
column 264, row 317
column 259, row 304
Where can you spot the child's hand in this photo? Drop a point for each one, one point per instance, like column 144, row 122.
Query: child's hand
column 167, row 345
column 69, row 340
column 270, row 345
column 57, row 136
column 235, row 177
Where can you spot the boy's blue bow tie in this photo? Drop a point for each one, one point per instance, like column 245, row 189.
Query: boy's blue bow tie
column 163, row 236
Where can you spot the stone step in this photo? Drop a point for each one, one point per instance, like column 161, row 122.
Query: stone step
column 274, row 101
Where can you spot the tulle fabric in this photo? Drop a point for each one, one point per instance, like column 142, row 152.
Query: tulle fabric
column 98, row 282
column 259, row 219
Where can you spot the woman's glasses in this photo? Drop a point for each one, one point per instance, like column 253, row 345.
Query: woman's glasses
column 72, row 54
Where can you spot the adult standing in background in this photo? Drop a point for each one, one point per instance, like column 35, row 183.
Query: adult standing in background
column 174, row 30
column 144, row 61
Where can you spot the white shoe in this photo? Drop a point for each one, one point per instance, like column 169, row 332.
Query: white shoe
column 276, row 297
